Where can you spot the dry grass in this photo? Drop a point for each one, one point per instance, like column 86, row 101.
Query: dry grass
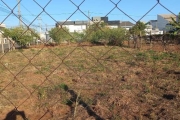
column 114, row 83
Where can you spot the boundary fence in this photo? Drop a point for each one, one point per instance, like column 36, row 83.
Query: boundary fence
column 86, row 81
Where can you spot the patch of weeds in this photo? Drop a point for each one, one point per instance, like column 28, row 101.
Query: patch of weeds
column 146, row 88
column 142, row 56
column 88, row 101
column 42, row 92
column 61, row 53
column 81, row 67
column 45, row 68
column 37, row 72
column 151, row 52
column 131, row 63
column 2, row 69
column 32, row 50
column 112, row 56
column 45, row 92
column 63, row 86
column 0, row 84
column 174, row 56
column 112, row 106
column 34, row 86
column 67, row 102
column 128, row 87
column 98, row 68
column 116, row 117
column 21, row 50
column 67, row 62
column 158, row 56
column 165, row 68
column 101, row 94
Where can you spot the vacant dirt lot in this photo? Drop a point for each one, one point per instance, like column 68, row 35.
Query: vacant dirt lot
column 89, row 82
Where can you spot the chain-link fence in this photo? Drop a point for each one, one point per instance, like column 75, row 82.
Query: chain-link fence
column 86, row 76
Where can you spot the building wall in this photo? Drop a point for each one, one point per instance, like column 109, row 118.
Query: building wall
column 126, row 27
column 154, row 24
column 98, row 19
column 113, row 26
column 161, row 24
column 1, row 27
column 76, row 28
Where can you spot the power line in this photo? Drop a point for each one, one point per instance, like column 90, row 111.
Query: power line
column 14, row 14
column 100, row 13
column 58, row 14
column 27, row 10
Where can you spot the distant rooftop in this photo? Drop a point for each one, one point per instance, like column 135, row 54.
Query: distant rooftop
column 72, row 23
column 115, row 22
column 168, row 16
column 126, row 23
column 2, row 25
column 153, row 20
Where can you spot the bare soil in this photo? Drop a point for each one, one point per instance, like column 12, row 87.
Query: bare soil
column 86, row 82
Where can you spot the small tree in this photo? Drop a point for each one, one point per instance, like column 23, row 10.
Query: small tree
column 96, row 32
column 77, row 37
column 20, row 35
column 101, row 34
column 116, row 36
column 59, row 34
column 137, row 31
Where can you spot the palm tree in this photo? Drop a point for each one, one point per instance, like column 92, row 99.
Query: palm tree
column 176, row 24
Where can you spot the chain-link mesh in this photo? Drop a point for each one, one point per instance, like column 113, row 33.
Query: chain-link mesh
column 80, row 80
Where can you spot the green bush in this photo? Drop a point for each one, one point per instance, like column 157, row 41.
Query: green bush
column 109, row 36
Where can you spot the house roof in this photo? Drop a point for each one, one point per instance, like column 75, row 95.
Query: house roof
column 2, row 25
column 168, row 16
column 120, row 23
column 115, row 22
column 126, row 23
column 153, row 21
column 72, row 23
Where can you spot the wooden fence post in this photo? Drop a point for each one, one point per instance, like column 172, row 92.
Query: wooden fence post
column 2, row 45
column 164, row 40
column 150, row 38
column 9, row 46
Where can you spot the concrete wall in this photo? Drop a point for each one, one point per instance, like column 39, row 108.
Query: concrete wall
column 161, row 24
column 113, row 26
column 154, row 24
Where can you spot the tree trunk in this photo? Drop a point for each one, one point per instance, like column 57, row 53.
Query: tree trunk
column 135, row 39
column 140, row 40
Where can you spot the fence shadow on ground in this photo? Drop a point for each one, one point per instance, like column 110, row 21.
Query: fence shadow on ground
column 90, row 112
column 13, row 114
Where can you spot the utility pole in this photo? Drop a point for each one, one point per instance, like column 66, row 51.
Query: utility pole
column 88, row 19
column 19, row 13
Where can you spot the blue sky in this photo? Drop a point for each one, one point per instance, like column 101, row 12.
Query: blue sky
column 60, row 10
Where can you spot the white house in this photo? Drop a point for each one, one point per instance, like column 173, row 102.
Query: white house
column 1, row 27
column 81, row 26
column 73, row 26
column 163, row 20
column 153, row 31
column 153, row 23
